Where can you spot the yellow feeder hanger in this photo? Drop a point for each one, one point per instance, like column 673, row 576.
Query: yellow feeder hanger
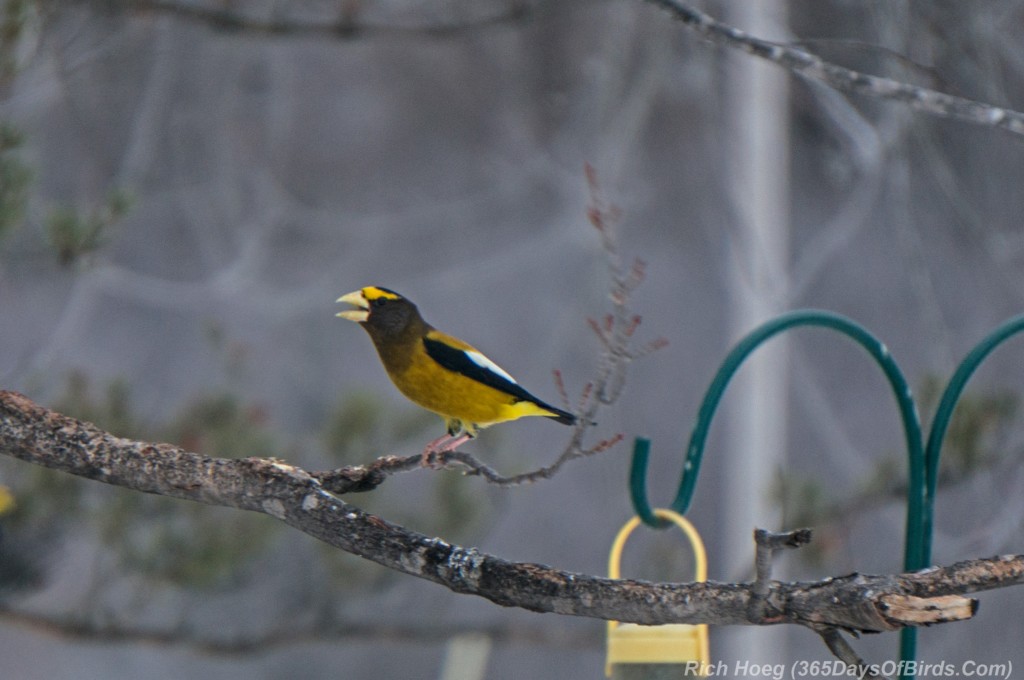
column 679, row 647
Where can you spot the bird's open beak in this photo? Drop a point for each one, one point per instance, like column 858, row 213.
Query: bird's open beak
column 355, row 299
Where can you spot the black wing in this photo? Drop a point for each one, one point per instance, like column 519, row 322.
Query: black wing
column 457, row 360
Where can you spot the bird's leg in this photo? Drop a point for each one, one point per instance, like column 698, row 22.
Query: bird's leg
column 455, row 442
column 433, row 448
column 431, row 454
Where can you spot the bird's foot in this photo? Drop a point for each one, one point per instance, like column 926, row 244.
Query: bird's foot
column 428, row 459
column 444, row 444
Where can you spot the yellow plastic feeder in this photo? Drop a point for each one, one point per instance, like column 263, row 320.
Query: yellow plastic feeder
column 674, row 650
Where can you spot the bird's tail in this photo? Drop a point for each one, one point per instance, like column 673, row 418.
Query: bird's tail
column 559, row 415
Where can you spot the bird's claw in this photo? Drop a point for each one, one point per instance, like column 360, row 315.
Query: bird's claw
column 432, row 457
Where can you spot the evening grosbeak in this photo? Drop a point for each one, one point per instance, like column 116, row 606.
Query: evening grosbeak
column 441, row 373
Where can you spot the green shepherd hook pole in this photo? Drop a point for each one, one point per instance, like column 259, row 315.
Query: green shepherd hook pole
column 924, row 461
column 944, row 413
column 918, row 510
column 732, row 363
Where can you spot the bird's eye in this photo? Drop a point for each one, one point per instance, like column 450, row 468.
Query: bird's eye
column 379, row 302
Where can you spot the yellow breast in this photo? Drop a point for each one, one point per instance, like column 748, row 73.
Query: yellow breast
column 455, row 396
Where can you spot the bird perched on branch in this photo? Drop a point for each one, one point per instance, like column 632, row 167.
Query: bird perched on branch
column 441, row 373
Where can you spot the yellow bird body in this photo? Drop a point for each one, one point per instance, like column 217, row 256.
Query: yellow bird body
column 452, row 396
column 438, row 371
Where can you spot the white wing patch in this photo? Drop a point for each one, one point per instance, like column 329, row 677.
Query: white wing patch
column 485, row 363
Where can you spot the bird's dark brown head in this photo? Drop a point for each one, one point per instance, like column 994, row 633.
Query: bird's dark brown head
column 383, row 313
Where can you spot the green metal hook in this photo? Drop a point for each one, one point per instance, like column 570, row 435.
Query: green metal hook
column 933, row 450
column 918, row 505
column 944, row 413
column 923, row 460
column 732, row 363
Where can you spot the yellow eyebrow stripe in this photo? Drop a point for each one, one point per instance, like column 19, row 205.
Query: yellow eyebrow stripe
column 374, row 293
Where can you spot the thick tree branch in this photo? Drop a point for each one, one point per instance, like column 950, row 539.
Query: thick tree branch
column 855, row 602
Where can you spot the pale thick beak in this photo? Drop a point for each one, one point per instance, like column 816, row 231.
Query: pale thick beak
column 355, row 299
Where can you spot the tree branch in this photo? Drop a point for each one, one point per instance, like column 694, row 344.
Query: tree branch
column 288, row 633
column 855, row 602
column 842, row 650
column 809, row 65
column 346, row 22
column 767, row 543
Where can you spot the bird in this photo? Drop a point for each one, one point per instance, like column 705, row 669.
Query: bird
column 441, row 373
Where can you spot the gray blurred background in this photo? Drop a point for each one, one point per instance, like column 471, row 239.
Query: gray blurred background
column 203, row 185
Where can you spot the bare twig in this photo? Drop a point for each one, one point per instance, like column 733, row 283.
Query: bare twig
column 760, row 610
column 560, row 386
column 809, row 65
column 618, row 328
column 766, row 544
column 842, row 650
column 475, row 467
column 358, row 478
column 616, row 333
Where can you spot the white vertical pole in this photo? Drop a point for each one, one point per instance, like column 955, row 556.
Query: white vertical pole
column 466, row 657
column 756, row 98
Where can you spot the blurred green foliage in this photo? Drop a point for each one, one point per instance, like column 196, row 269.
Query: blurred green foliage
column 222, row 425
column 15, row 175
column 457, row 507
column 361, row 425
column 73, row 235
column 978, row 420
column 194, row 546
column 14, row 17
column 973, row 443
column 159, row 538
column 70, row 232
column 806, row 503
column 15, row 178
column 111, row 410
